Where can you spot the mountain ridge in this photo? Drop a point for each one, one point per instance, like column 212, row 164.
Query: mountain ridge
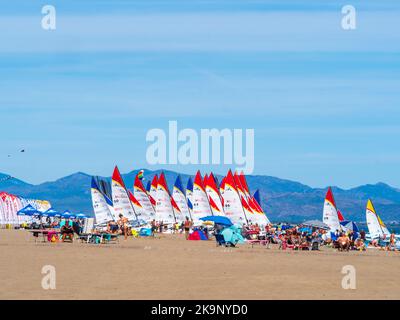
column 282, row 199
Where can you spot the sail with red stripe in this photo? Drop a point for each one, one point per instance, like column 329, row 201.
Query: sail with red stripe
column 164, row 208
column 146, row 209
column 153, row 191
column 330, row 214
column 233, row 207
column 178, row 194
column 120, row 197
column 214, row 195
column 201, row 205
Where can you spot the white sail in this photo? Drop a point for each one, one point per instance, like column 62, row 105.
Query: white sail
column 121, row 202
column 164, row 209
column 376, row 227
column 180, row 200
column 201, row 205
column 214, row 196
column 330, row 215
column 232, row 204
column 147, row 212
column 100, row 207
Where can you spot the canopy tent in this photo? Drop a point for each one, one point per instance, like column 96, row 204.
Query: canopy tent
column 68, row 215
column 52, row 213
column 29, row 210
column 218, row 220
column 315, row 224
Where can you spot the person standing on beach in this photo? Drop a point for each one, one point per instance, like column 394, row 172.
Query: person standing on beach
column 153, row 227
column 123, row 223
column 187, row 226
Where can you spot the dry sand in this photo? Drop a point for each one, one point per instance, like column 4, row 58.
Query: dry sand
column 173, row 268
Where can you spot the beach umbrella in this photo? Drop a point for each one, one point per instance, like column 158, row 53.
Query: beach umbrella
column 218, row 219
column 29, row 210
column 349, row 225
column 316, row 224
column 81, row 216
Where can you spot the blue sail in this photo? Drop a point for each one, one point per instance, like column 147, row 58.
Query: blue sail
column 190, row 188
column 178, row 184
column 148, row 186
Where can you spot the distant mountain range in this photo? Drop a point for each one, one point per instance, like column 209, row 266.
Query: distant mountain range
column 283, row 200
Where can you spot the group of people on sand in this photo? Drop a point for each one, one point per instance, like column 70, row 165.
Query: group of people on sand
column 286, row 236
column 183, row 227
column 299, row 238
column 122, row 226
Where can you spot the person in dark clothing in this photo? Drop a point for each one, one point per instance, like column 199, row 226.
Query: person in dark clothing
column 67, row 232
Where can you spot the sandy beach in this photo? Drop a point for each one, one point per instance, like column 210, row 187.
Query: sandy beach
column 173, row 268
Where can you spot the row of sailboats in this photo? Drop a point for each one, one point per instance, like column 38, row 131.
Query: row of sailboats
column 334, row 218
column 203, row 196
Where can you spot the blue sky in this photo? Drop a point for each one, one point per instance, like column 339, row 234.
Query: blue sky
column 324, row 102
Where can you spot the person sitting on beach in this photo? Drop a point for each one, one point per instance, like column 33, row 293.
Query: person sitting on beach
column 359, row 244
column 123, row 224
column 362, row 235
column 344, row 242
column 67, row 232
column 112, row 227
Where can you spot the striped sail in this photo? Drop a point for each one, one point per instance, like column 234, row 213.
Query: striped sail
column 213, row 195
column 164, row 209
column 120, row 197
column 178, row 194
column 147, row 211
column 233, row 207
column 376, row 227
column 201, row 206
column 330, row 215
column 101, row 209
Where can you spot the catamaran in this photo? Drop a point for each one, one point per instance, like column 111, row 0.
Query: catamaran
column 376, row 228
column 203, row 197
column 330, row 213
